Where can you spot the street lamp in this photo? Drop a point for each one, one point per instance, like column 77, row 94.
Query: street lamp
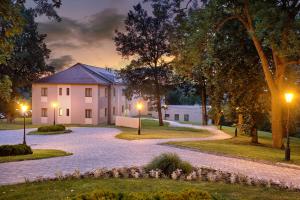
column 54, row 105
column 288, row 98
column 139, row 107
column 24, row 109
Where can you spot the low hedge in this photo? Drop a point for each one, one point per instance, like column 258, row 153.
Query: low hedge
column 51, row 128
column 14, row 150
column 189, row 194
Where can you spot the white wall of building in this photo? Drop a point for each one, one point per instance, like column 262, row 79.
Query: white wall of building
column 188, row 113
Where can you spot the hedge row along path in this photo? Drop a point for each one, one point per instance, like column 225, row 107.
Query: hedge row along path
column 95, row 147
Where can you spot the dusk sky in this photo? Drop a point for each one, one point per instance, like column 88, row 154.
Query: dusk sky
column 86, row 31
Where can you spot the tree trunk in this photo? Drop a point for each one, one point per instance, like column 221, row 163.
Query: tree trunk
column 159, row 111
column 277, row 128
column 254, row 137
column 203, row 102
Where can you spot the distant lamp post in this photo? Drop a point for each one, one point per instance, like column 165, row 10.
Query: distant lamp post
column 288, row 99
column 139, row 107
column 24, row 108
column 54, row 105
column 237, row 124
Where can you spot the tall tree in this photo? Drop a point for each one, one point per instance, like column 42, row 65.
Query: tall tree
column 27, row 61
column 12, row 21
column 146, row 41
column 272, row 26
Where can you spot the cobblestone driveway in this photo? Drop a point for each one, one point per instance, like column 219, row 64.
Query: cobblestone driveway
column 97, row 147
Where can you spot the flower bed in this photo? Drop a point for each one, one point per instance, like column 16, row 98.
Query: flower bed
column 197, row 174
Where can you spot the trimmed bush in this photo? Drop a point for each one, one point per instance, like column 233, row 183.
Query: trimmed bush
column 189, row 194
column 52, row 128
column 168, row 163
column 14, row 150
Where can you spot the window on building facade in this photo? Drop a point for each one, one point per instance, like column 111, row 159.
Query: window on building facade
column 88, row 113
column 106, row 92
column 114, row 91
column 186, row 117
column 44, row 92
column 88, row 92
column 167, row 115
column 122, row 109
column 105, row 112
column 68, row 91
column 44, row 112
column 60, row 91
column 123, row 92
column 176, row 117
column 129, row 107
column 67, row 112
column 60, row 112
column 114, row 110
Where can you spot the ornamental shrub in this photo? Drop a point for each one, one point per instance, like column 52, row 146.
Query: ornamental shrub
column 52, row 128
column 168, row 163
column 14, row 150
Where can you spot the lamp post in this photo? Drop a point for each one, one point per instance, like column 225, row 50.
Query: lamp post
column 54, row 105
column 24, row 109
column 288, row 98
column 237, row 124
column 139, row 107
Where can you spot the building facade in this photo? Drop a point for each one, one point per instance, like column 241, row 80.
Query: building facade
column 81, row 94
column 182, row 113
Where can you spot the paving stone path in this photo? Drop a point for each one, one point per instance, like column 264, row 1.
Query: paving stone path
column 97, row 147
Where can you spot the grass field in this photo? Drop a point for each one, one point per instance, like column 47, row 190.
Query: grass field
column 242, row 147
column 37, row 154
column 17, row 124
column 69, row 189
column 151, row 130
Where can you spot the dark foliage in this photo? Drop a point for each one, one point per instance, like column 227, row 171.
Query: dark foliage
column 168, row 163
column 51, row 128
column 14, row 150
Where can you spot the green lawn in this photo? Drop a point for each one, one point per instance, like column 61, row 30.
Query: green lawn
column 69, row 189
column 17, row 124
column 151, row 130
column 49, row 133
column 37, row 154
column 242, row 147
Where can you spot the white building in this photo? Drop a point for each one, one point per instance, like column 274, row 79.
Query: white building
column 83, row 94
column 183, row 113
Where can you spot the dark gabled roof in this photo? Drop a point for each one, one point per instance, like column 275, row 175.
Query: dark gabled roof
column 83, row 74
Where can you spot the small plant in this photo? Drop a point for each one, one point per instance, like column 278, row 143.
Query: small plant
column 14, row 150
column 52, row 128
column 168, row 163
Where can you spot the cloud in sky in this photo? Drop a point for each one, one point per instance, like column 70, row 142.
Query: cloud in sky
column 70, row 33
column 62, row 62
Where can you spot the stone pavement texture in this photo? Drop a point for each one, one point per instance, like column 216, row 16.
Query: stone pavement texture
column 97, row 147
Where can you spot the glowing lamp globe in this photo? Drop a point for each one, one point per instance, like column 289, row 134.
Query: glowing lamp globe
column 289, row 97
column 139, row 106
column 24, row 108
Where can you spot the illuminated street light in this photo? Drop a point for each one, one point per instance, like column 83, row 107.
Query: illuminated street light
column 139, row 107
column 24, row 109
column 288, row 98
column 54, row 105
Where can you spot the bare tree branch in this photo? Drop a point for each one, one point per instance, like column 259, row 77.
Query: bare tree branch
column 295, row 62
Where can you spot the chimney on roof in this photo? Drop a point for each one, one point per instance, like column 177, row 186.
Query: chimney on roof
column 108, row 69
